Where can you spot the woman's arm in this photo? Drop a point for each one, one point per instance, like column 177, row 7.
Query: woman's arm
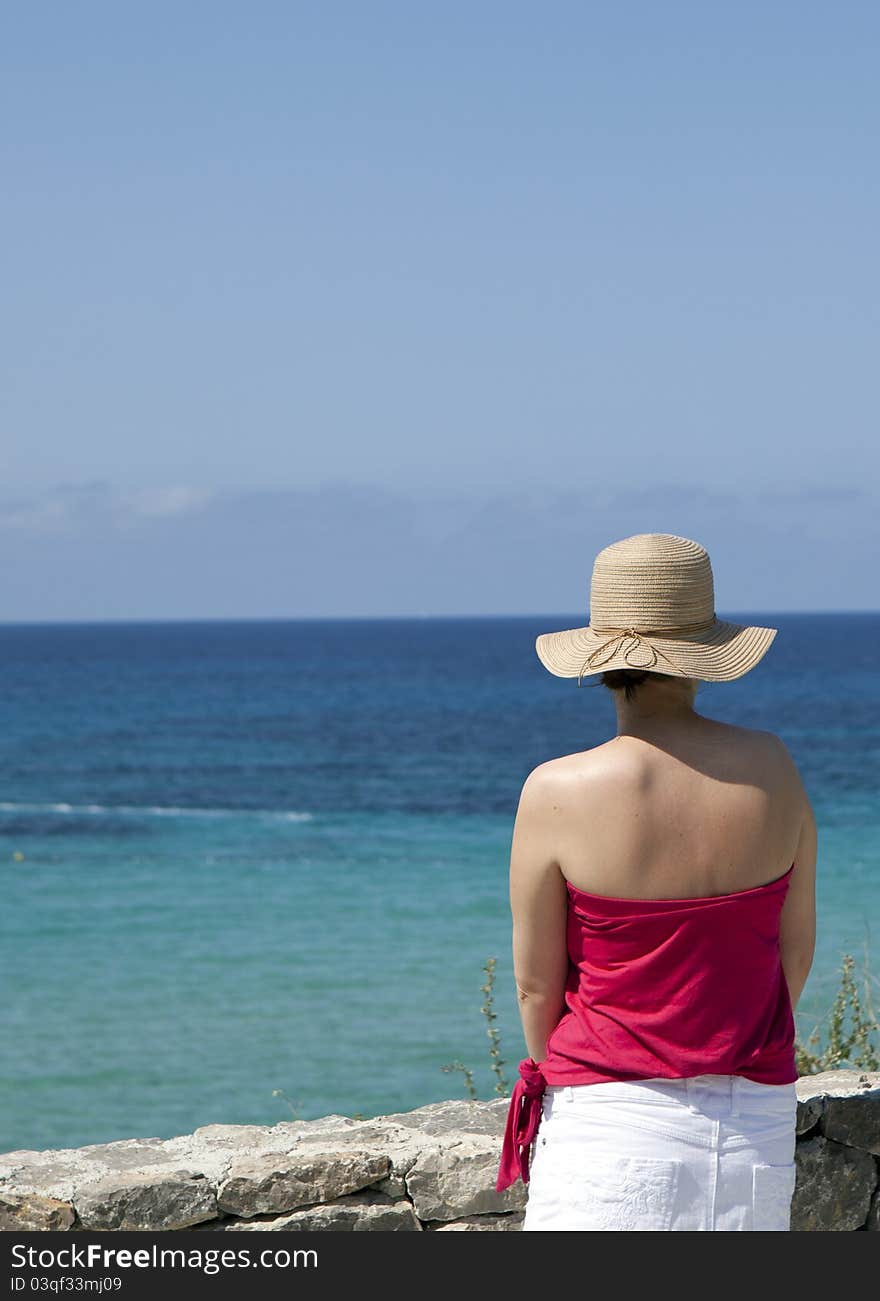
column 538, row 902
column 797, row 925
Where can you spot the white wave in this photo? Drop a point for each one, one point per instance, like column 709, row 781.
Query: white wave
column 153, row 810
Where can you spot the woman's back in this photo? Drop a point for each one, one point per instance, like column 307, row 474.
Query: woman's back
column 683, row 810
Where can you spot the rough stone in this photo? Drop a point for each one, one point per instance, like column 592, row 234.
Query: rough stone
column 833, row 1186
column 458, row 1180
column 480, row 1224
column 400, row 1144
column 873, row 1221
column 815, row 1091
column 832, row 1083
column 147, row 1200
column 854, row 1120
column 356, row 1213
column 212, row 1154
column 441, row 1118
column 62, row 1172
column 269, row 1184
column 238, row 1136
column 809, row 1113
column 29, row 1212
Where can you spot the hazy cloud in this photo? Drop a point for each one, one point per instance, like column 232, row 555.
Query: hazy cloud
column 91, row 551
column 74, row 507
column 814, row 493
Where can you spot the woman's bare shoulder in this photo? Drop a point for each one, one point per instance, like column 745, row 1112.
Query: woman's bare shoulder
column 771, row 757
column 553, row 775
column 567, row 769
column 773, row 746
column 785, row 761
column 564, row 764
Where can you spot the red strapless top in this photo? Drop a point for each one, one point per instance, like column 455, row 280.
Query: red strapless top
column 662, row 988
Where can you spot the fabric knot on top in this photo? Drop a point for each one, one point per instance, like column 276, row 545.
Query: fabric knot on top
column 523, row 1118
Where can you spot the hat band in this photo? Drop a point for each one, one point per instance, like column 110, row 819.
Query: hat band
column 621, row 635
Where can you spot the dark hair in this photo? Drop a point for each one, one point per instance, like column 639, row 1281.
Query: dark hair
column 629, row 680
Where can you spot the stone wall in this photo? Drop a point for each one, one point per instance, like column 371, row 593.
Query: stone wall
column 431, row 1169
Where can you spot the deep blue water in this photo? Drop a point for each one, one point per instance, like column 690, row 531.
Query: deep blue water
column 242, row 857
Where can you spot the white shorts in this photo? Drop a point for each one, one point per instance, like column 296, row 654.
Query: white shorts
column 712, row 1152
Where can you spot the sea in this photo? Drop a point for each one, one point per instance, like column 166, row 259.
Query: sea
column 257, row 870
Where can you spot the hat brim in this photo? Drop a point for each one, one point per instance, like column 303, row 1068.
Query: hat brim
column 722, row 653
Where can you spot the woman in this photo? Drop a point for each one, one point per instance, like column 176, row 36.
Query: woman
column 662, row 887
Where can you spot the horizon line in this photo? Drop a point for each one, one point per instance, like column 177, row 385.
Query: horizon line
column 370, row 618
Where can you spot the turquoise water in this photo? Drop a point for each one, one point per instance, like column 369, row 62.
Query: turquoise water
column 242, row 858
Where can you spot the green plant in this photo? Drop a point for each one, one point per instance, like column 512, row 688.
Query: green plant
column 468, row 1077
column 853, row 1046
column 488, row 1010
column 496, row 1061
column 294, row 1106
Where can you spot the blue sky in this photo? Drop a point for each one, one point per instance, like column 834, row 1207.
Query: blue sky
column 410, row 309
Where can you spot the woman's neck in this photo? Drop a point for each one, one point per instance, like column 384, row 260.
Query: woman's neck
column 656, row 708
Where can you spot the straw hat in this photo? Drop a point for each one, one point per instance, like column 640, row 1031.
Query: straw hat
column 652, row 606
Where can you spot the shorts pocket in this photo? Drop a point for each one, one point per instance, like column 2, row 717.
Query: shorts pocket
column 772, row 1191
column 615, row 1192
